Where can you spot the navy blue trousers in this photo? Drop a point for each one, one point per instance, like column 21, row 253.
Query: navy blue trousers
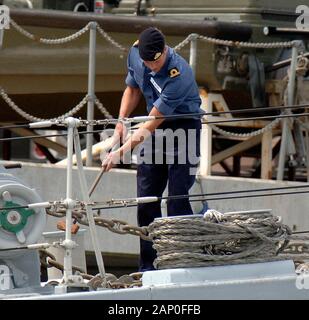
column 152, row 180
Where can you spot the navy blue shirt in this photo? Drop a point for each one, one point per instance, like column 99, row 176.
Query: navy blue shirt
column 172, row 90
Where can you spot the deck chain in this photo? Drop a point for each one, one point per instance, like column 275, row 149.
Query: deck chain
column 101, row 107
column 226, row 133
column 70, row 113
column 242, row 44
column 48, row 260
column 31, row 36
column 32, row 118
column 113, row 42
column 106, row 36
column 183, row 43
column 113, row 225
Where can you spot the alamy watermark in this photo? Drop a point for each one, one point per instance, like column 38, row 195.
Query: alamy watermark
column 302, row 280
column 5, row 278
column 164, row 146
column 4, row 17
column 302, row 21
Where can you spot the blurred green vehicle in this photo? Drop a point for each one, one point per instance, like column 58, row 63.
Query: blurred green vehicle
column 55, row 76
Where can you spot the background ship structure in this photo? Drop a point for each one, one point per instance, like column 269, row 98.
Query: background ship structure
column 62, row 60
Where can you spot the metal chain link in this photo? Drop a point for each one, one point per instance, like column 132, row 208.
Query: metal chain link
column 101, row 107
column 132, row 280
column 241, row 44
column 22, row 30
column 67, row 39
column 113, row 225
column 226, row 133
column 110, row 39
column 32, row 118
column 183, row 43
column 49, row 41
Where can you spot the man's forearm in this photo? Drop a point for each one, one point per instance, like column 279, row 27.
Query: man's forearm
column 129, row 101
column 142, row 133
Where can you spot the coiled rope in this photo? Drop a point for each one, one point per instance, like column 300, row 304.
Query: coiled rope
column 219, row 239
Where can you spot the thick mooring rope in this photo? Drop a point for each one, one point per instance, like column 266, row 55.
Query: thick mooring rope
column 219, row 239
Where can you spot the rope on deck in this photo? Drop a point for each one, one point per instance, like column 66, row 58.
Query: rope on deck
column 220, row 239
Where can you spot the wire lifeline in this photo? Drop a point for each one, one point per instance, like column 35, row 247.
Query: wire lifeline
column 252, row 196
column 281, row 116
column 207, row 199
column 15, row 126
column 47, row 136
column 183, row 116
column 108, row 121
column 249, row 110
column 191, row 115
column 201, row 195
column 246, row 110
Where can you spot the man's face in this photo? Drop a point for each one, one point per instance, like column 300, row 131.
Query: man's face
column 156, row 65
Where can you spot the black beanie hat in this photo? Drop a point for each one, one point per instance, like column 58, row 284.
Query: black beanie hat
column 151, row 44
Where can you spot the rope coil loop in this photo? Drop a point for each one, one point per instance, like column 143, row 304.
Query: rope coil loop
column 218, row 239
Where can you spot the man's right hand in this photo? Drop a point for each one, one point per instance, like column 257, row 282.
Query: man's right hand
column 119, row 133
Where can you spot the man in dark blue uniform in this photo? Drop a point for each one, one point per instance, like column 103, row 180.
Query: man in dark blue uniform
column 167, row 83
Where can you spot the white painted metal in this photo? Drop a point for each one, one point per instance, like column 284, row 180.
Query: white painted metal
column 193, row 52
column 67, row 272
column 219, row 273
column 86, row 198
column 78, row 254
column 285, row 121
column 36, row 224
column 263, row 281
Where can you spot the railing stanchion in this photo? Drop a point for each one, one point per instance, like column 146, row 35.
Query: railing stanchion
column 91, row 89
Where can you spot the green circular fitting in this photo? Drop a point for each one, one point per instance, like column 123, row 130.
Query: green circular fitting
column 14, row 220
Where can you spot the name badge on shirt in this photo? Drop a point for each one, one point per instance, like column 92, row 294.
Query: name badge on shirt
column 155, row 85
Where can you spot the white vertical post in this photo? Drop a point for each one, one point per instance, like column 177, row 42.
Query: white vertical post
column 206, row 138
column 285, row 121
column 266, row 165
column 91, row 89
column 193, row 52
column 67, row 272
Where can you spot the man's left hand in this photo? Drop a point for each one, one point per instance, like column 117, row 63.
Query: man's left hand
column 111, row 159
